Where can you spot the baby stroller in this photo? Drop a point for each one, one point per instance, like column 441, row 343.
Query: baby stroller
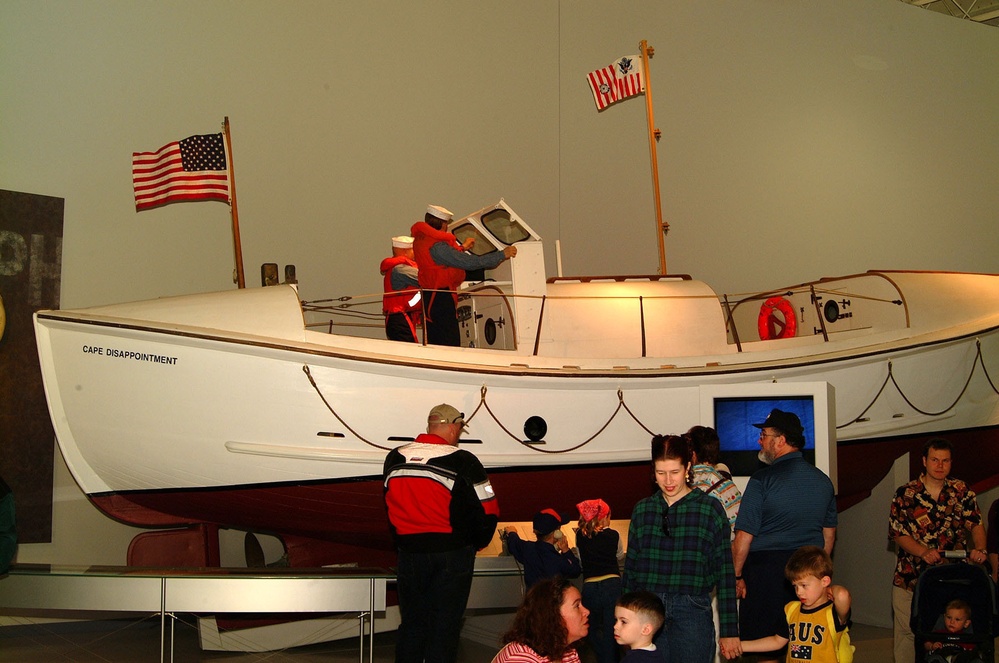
column 936, row 587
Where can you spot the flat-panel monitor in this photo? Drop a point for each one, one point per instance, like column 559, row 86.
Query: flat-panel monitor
column 732, row 409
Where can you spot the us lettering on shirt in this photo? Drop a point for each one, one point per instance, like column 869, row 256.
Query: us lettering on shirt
column 805, row 632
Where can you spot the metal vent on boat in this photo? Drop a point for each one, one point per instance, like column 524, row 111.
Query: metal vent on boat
column 535, row 428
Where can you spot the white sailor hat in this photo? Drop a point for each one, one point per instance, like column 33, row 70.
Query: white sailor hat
column 440, row 212
column 402, row 242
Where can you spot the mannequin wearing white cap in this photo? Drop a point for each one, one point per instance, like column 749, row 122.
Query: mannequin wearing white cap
column 442, row 264
column 401, row 301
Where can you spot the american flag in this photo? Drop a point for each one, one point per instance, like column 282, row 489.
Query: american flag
column 190, row 169
column 617, row 81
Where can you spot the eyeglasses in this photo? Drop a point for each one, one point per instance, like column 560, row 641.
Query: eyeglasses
column 766, row 435
column 665, row 522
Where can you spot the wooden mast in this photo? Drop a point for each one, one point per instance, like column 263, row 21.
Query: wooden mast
column 654, row 134
column 238, row 278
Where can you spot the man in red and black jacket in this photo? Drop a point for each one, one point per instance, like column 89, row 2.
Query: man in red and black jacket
column 441, row 510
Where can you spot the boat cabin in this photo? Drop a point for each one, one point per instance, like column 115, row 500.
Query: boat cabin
column 515, row 307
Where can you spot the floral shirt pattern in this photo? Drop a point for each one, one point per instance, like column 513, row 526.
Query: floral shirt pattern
column 943, row 524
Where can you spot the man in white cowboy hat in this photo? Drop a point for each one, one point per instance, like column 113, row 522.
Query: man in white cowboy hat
column 441, row 510
column 401, row 301
column 442, row 262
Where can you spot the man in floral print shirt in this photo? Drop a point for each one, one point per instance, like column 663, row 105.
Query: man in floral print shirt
column 929, row 515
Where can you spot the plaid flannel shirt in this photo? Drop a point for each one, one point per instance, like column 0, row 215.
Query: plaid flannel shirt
column 695, row 559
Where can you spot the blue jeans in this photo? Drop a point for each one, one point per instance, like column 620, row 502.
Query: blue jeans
column 600, row 598
column 433, row 590
column 688, row 636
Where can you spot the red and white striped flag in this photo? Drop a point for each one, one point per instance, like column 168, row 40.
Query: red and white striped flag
column 191, row 169
column 617, row 81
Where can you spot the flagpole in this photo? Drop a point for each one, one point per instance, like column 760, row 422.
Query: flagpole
column 237, row 247
column 654, row 134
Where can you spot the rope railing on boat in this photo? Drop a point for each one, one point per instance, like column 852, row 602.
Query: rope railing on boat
column 351, row 306
column 483, row 391
column 890, row 377
column 622, row 405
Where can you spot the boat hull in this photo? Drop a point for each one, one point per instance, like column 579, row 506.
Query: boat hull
column 158, row 410
column 225, row 408
column 351, row 513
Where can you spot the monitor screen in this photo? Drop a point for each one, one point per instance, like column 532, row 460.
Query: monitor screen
column 732, row 409
column 734, row 419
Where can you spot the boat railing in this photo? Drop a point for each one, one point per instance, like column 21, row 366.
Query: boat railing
column 348, row 312
column 853, row 309
column 362, row 315
column 822, row 299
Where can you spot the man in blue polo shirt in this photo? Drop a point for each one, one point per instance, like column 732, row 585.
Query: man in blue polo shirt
column 785, row 506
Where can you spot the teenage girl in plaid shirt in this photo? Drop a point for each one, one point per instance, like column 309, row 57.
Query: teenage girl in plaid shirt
column 679, row 549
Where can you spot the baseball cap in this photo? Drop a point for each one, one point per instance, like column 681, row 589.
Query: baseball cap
column 787, row 423
column 547, row 521
column 446, row 414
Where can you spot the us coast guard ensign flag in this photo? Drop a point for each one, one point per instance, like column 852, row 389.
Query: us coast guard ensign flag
column 191, row 169
column 619, row 80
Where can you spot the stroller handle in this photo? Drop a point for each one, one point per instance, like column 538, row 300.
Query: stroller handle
column 955, row 554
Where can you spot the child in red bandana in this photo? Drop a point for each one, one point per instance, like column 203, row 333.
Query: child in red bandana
column 599, row 553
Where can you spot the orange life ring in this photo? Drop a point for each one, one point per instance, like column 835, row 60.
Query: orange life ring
column 770, row 325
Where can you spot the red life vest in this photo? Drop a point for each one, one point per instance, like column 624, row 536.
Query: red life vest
column 396, row 301
column 434, row 276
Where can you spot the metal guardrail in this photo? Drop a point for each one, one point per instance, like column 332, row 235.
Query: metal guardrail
column 351, row 308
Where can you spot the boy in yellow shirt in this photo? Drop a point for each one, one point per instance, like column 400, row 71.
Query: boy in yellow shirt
column 817, row 622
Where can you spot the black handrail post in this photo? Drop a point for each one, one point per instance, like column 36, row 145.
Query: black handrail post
column 541, row 315
column 641, row 314
column 731, row 324
column 818, row 312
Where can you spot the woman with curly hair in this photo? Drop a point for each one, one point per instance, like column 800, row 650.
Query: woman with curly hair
column 547, row 625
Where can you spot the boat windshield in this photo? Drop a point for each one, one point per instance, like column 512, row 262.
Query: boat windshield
column 482, row 245
column 501, row 227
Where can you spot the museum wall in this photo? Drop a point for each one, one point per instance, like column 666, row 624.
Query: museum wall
column 799, row 140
